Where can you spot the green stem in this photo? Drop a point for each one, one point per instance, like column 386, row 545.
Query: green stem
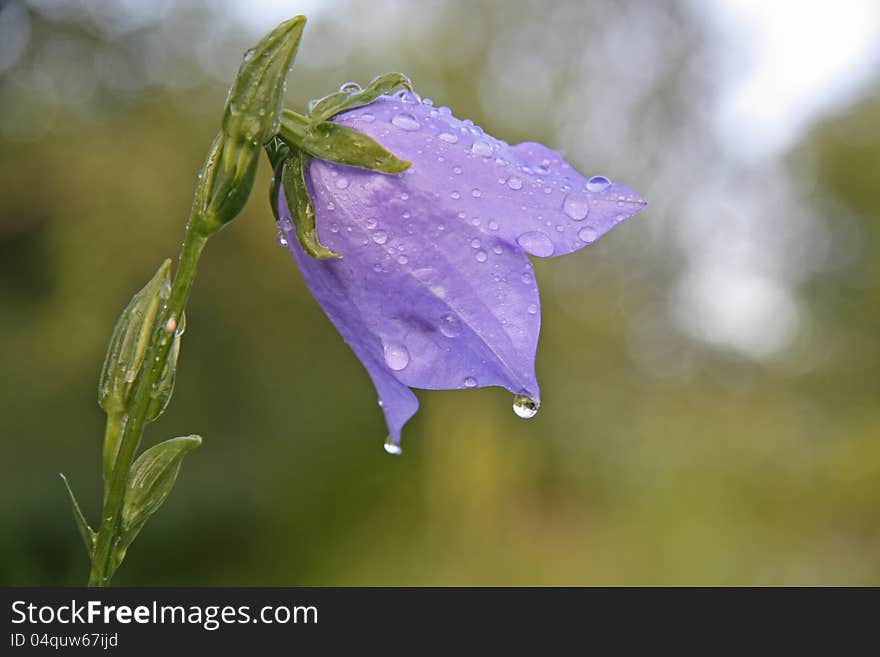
column 112, row 435
column 132, row 429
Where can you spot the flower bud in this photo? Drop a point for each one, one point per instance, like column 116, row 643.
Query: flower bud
column 253, row 107
column 131, row 340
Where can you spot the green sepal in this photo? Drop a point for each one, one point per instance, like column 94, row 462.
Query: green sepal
column 130, row 341
column 85, row 531
column 300, row 205
column 256, row 97
column 338, row 143
column 344, row 100
column 150, row 480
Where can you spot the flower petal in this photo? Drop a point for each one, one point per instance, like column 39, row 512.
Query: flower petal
column 434, row 288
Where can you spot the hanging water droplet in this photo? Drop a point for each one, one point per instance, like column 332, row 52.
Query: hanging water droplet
column 525, row 407
column 536, row 243
column 449, row 138
column 392, row 447
column 450, row 326
column 281, row 239
column 380, row 237
column 598, row 184
column 350, row 87
column 588, row 234
column 406, row 122
column 576, row 206
column 470, row 382
column 514, row 183
column 248, row 54
column 396, row 356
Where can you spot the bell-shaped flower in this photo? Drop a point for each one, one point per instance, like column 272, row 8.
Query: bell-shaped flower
column 434, row 288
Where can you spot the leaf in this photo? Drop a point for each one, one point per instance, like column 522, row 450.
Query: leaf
column 150, row 481
column 300, row 206
column 86, row 532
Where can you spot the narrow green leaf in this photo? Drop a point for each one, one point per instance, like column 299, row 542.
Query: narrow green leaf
column 300, row 205
column 86, row 532
column 338, row 143
column 150, row 481
column 341, row 101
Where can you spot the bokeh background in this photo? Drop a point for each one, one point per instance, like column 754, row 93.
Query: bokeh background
column 710, row 370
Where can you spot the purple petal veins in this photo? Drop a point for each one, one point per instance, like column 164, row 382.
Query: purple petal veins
column 434, row 289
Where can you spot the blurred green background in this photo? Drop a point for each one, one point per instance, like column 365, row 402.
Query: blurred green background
column 710, row 370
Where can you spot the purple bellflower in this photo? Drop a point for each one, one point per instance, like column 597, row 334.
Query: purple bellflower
column 434, row 288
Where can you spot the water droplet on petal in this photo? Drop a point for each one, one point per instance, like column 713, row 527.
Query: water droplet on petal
column 342, row 183
column 380, row 237
column 482, row 148
column 598, row 184
column 406, row 122
column 367, row 118
column 514, row 183
column 248, row 54
column 481, row 256
column 447, row 137
column 392, row 447
column 536, row 243
column 402, row 260
column 588, row 234
column 475, row 243
column 533, row 309
column 456, row 170
column 525, row 407
column 371, row 223
column 284, row 224
column 396, row 356
column 470, row 382
column 350, row 86
column 450, row 326
column 493, row 225
column 576, row 206
column 476, row 193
